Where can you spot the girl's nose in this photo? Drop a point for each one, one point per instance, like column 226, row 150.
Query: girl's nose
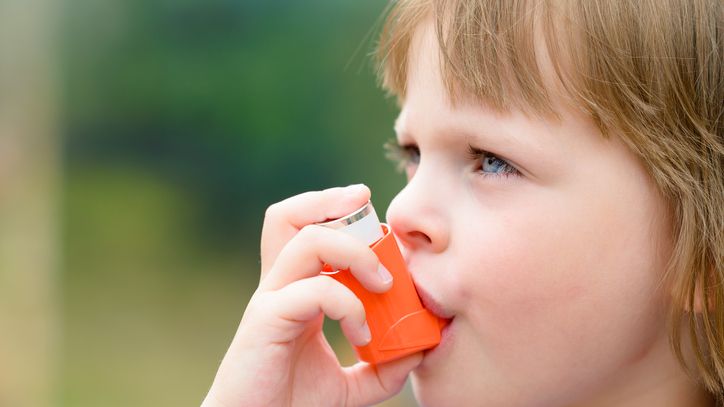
column 417, row 217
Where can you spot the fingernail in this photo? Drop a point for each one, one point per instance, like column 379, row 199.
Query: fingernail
column 384, row 275
column 366, row 334
column 354, row 190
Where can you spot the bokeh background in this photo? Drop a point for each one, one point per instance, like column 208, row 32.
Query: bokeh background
column 140, row 143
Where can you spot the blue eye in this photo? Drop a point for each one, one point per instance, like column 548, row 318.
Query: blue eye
column 495, row 165
column 406, row 156
column 492, row 165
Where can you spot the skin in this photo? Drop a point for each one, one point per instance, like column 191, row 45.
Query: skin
column 279, row 355
column 553, row 276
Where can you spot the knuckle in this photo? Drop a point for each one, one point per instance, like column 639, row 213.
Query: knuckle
column 328, row 287
column 272, row 210
column 365, row 259
column 370, row 259
column 357, row 309
column 311, row 233
column 342, row 299
column 335, row 291
column 349, row 300
column 256, row 306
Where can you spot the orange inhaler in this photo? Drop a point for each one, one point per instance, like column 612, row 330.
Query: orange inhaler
column 399, row 324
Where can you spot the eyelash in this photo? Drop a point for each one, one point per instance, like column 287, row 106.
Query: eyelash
column 403, row 155
column 398, row 154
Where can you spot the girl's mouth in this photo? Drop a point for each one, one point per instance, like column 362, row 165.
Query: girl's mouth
column 434, row 306
column 445, row 318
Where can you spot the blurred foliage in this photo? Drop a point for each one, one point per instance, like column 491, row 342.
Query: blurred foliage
column 240, row 103
column 182, row 120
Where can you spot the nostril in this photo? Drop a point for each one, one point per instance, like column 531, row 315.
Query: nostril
column 419, row 236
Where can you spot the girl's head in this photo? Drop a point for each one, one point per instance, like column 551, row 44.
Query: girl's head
column 565, row 196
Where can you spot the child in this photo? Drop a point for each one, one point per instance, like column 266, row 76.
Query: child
column 563, row 211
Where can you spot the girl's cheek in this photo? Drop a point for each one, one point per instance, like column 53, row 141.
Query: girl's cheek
column 558, row 271
column 526, row 263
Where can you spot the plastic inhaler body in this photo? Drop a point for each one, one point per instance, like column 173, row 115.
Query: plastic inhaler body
column 399, row 324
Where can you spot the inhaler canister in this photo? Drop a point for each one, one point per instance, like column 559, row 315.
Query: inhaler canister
column 399, row 324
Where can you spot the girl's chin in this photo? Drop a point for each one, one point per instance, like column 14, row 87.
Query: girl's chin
column 431, row 390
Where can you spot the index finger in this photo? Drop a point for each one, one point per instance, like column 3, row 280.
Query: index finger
column 286, row 218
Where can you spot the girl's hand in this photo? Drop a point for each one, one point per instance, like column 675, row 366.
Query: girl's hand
column 279, row 355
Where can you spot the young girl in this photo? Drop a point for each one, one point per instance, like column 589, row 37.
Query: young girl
column 563, row 211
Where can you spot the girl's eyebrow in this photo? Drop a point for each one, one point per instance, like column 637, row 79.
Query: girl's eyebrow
column 502, row 140
column 524, row 147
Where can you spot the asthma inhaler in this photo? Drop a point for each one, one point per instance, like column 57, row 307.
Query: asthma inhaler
column 399, row 324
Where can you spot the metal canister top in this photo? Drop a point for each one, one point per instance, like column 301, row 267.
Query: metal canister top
column 362, row 224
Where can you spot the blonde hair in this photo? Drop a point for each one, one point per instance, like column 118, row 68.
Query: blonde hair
column 648, row 71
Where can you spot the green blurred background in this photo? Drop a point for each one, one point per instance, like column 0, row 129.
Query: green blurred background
column 155, row 134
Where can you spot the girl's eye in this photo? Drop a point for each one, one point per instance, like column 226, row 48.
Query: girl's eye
column 403, row 156
column 492, row 165
column 495, row 165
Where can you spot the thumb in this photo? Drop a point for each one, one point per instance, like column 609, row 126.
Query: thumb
column 371, row 384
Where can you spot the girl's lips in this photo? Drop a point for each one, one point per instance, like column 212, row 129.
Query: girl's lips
column 433, row 306
column 445, row 318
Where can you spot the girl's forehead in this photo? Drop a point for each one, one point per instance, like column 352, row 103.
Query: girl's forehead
column 431, row 119
column 529, row 57
column 429, row 100
column 432, row 74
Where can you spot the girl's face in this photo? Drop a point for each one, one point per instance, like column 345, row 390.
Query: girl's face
column 546, row 249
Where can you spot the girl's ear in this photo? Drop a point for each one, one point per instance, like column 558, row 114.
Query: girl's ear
column 699, row 297
column 698, row 300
